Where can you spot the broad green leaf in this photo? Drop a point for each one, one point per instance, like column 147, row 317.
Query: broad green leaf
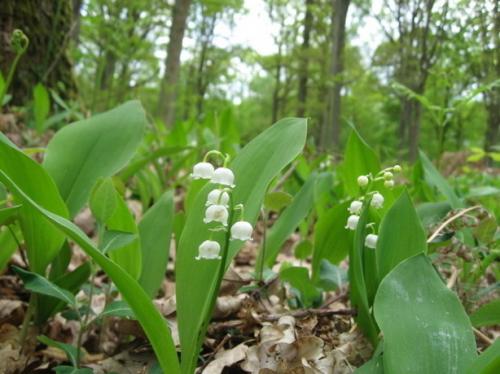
column 359, row 290
column 8, row 246
column 43, row 241
column 433, row 177
column 487, row 315
column 359, row 159
column 331, row 239
column 103, row 200
column 303, row 250
column 8, row 215
column 298, row 277
column 432, row 213
column 288, row 221
column 277, row 200
column 72, row 281
column 148, row 316
column 64, row 369
column 126, row 253
column 71, row 351
column 113, row 240
column 41, row 106
column 196, row 281
column 330, row 277
column 155, row 231
column 401, row 236
column 425, row 327
column 488, row 362
column 117, row 308
column 96, row 147
column 38, row 284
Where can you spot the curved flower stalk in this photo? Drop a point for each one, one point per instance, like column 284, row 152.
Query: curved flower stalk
column 375, row 199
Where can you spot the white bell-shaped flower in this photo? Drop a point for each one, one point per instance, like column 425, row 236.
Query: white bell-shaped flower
column 216, row 213
column 352, row 222
column 241, row 230
column 389, row 184
column 377, row 201
column 371, row 241
column 218, row 197
column 223, row 176
column 203, row 170
column 208, row 250
column 363, row 180
column 355, row 207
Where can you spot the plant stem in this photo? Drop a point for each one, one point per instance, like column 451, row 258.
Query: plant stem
column 26, row 322
column 84, row 320
column 260, row 270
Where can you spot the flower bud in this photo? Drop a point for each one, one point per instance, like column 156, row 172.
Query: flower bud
column 352, row 222
column 389, row 184
column 396, row 168
column 377, row 201
column 355, row 207
column 203, row 170
column 371, row 241
column 218, row 197
column 241, row 230
column 223, row 176
column 208, row 250
column 388, row 176
column 363, row 180
column 216, row 213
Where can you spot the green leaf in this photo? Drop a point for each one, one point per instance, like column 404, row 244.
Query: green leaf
column 288, row 221
column 63, row 369
column 96, row 147
column 71, row 352
column 375, row 365
column 359, row 290
column 303, row 250
column 38, row 284
column 298, row 277
column 433, row 177
column 432, row 213
column 254, row 168
column 488, row 362
column 331, row 239
column 117, row 308
column 359, row 159
column 425, row 327
column 103, row 200
column 155, row 231
column 277, row 200
column 401, row 236
column 126, row 250
column 41, row 106
column 43, row 241
column 148, row 316
column 113, row 240
column 8, row 246
column 487, row 315
column 47, row 306
column 8, row 215
column 330, row 277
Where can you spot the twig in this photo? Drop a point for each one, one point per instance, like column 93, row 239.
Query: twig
column 453, row 277
column 334, row 299
column 285, row 177
column 482, row 337
column 214, row 352
column 306, row 312
column 450, row 220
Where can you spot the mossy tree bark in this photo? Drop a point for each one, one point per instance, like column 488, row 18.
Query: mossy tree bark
column 48, row 25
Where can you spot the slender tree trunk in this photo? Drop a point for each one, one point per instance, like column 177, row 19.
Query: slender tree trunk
column 331, row 140
column 201, row 82
column 304, row 60
column 168, row 90
column 47, row 23
column 277, row 84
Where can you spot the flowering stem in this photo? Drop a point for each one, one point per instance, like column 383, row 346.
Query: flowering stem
column 215, row 153
column 241, row 209
column 260, row 270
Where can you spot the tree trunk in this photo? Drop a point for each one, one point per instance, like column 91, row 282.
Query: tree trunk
column 168, row 90
column 47, row 23
column 304, row 60
column 331, row 138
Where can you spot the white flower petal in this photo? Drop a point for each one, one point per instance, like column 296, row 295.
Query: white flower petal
column 241, row 230
column 203, row 170
column 223, row 176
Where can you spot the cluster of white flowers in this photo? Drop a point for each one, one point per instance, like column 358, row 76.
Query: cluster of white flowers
column 218, row 205
column 376, row 201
